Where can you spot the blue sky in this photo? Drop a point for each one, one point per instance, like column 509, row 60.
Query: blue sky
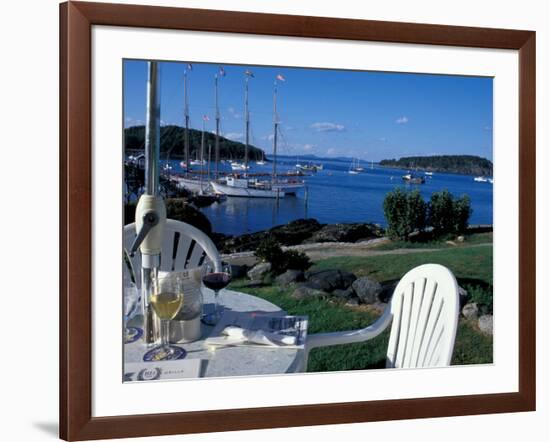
column 369, row 115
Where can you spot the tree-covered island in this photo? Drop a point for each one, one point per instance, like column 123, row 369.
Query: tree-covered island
column 463, row 164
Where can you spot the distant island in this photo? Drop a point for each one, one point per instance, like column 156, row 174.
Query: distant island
column 462, row 164
column 172, row 144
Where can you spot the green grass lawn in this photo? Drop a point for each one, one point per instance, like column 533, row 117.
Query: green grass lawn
column 468, row 264
column 473, row 266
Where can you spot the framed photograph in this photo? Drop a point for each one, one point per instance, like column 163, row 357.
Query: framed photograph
column 274, row 220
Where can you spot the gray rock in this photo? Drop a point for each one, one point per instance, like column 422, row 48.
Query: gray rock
column 352, row 302
column 260, row 270
column 289, row 234
column 289, row 277
column 346, row 233
column 344, row 294
column 238, row 271
column 304, row 292
column 463, row 296
column 347, row 279
column 367, row 289
column 484, row 310
column 329, row 280
column 470, row 311
column 485, row 324
column 268, row 278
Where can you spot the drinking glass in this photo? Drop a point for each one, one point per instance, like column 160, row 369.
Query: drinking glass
column 131, row 303
column 215, row 280
column 166, row 299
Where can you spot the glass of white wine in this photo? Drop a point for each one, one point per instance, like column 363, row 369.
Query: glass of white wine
column 166, row 299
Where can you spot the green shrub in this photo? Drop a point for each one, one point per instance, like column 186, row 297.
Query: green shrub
column 447, row 214
column 295, row 260
column 405, row 213
column 270, row 250
column 463, row 211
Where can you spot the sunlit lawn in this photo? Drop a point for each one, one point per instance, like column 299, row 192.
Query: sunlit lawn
column 472, row 267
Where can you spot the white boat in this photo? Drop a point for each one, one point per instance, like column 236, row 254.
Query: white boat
column 239, row 166
column 307, row 167
column 412, row 178
column 255, row 188
column 355, row 168
column 198, row 163
column 481, row 179
column 247, row 187
column 428, row 173
column 261, row 162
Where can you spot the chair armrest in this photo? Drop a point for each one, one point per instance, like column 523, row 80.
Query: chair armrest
column 351, row 336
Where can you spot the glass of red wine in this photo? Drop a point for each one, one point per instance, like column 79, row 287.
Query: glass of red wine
column 216, row 280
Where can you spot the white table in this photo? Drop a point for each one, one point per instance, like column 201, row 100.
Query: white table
column 233, row 361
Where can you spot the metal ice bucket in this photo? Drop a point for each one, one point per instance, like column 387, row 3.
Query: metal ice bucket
column 186, row 326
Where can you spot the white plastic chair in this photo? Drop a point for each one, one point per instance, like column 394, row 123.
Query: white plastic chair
column 183, row 247
column 424, row 313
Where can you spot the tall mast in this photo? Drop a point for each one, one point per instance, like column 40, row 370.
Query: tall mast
column 202, row 149
column 248, row 74
column 275, row 130
column 221, row 73
column 186, row 133
column 217, row 141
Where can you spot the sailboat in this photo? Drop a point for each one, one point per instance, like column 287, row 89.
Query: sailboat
column 261, row 161
column 187, row 181
column 191, row 183
column 242, row 185
column 355, row 168
column 198, row 161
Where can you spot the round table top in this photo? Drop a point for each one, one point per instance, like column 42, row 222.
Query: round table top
column 232, row 361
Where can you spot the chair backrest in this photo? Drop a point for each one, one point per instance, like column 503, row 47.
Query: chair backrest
column 425, row 309
column 183, row 247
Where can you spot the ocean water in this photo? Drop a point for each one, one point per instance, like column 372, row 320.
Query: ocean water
column 335, row 196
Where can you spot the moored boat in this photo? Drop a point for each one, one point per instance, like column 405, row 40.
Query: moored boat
column 355, row 167
column 252, row 187
column 235, row 165
column 255, row 188
column 411, row 178
column 483, row 179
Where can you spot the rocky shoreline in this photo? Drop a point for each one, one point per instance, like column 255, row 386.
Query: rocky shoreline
column 301, row 232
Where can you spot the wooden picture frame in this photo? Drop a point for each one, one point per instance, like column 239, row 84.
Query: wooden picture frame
column 76, row 21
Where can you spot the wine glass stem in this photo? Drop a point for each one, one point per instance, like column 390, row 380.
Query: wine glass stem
column 216, row 303
column 164, row 333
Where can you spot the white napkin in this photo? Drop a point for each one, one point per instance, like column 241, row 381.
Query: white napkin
column 258, row 336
